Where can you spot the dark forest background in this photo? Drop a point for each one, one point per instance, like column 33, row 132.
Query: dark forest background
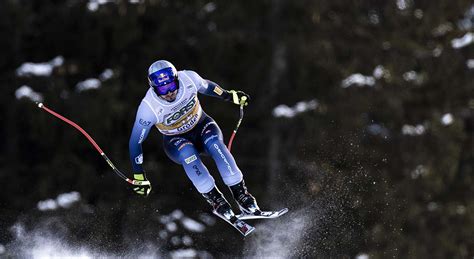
column 351, row 168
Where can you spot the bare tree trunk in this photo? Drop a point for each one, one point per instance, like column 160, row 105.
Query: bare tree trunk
column 278, row 66
column 466, row 162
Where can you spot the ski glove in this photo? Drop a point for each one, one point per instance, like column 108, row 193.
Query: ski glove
column 238, row 97
column 143, row 186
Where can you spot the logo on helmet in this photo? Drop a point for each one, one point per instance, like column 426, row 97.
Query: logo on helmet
column 163, row 78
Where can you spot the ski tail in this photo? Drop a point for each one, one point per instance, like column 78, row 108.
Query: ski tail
column 241, row 226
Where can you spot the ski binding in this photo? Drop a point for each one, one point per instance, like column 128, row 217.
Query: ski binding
column 263, row 214
column 244, row 228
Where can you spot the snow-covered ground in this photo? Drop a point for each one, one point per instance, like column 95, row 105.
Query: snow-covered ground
column 361, row 80
column 290, row 112
column 447, row 119
column 49, row 240
column 44, row 243
column 358, row 80
column 464, row 41
column 64, row 200
column 470, row 63
column 93, row 5
column 413, row 130
column 26, row 92
column 45, row 69
column 39, row 69
column 95, row 83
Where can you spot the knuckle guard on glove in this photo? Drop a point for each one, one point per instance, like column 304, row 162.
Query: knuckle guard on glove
column 143, row 186
column 239, row 97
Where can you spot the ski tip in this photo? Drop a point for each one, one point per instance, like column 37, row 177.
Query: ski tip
column 263, row 215
column 40, row 105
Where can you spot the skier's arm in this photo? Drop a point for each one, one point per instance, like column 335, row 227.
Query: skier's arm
column 237, row 97
column 210, row 88
column 144, row 120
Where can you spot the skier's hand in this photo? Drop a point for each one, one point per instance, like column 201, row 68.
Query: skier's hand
column 238, row 97
column 142, row 186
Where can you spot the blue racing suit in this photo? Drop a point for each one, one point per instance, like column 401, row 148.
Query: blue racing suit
column 187, row 131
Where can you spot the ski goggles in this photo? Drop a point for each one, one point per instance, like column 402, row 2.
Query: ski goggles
column 164, row 89
column 163, row 81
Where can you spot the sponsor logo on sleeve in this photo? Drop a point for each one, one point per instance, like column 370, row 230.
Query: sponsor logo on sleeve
column 144, row 122
column 190, row 159
column 142, row 136
column 218, row 90
column 139, row 159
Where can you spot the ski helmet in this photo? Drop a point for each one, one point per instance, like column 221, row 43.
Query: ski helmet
column 163, row 77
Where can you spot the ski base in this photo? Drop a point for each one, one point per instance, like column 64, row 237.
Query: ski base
column 244, row 228
column 263, row 214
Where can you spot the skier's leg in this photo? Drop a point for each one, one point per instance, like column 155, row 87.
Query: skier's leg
column 231, row 174
column 214, row 145
column 183, row 152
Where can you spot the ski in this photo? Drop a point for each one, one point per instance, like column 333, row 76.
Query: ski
column 244, row 228
column 263, row 214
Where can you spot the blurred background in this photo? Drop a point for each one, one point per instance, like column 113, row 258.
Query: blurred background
column 361, row 122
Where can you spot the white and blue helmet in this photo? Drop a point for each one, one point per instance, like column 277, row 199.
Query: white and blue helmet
column 163, row 77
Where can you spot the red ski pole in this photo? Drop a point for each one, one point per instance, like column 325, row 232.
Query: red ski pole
column 91, row 140
column 229, row 146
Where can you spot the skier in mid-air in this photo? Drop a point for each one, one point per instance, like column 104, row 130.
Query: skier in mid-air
column 172, row 105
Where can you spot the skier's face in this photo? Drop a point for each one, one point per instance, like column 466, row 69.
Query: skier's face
column 170, row 96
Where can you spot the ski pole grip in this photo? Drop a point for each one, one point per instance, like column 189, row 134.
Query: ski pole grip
column 140, row 183
column 243, row 100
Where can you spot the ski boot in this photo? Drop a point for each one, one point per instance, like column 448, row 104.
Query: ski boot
column 247, row 203
column 222, row 209
column 219, row 204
